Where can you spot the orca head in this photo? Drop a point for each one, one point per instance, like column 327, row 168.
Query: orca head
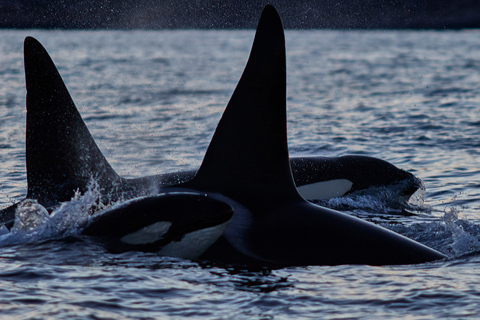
column 177, row 223
column 320, row 178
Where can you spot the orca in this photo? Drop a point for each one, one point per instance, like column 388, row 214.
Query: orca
column 246, row 167
column 322, row 178
column 247, row 161
column 62, row 156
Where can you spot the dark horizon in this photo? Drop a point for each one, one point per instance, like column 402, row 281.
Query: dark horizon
column 229, row 14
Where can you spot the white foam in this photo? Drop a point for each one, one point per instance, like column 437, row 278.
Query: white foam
column 463, row 241
column 33, row 223
column 30, row 217
column 71, row 215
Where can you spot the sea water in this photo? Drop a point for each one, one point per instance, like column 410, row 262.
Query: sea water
column 152, row 100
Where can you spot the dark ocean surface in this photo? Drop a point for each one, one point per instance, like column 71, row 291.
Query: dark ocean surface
column 152, row 100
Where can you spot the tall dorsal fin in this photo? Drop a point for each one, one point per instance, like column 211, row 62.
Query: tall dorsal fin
column 61, row 154
column 248, row 154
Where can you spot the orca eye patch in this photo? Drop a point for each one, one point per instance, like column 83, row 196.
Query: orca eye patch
column 148, row 234
column 325, row 189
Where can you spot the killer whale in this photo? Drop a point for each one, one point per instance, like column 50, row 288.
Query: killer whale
column 62, row 156
column 323, row 178
column 247, row 161
column 256, row 181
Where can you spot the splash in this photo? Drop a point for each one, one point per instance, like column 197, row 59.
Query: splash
column 417, row 199
column 72, row 215
column 381, row 200
column 31, row 217
column 34, row 223
column 463, row 241
column 449, row 234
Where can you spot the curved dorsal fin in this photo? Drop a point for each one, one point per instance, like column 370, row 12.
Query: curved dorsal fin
column 248, row 154
column 61, row 154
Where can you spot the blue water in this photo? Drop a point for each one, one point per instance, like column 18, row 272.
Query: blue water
column 152, row 100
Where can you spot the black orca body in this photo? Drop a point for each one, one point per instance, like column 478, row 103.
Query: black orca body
column 246, row 168
column 323, row 178
column 62, row 156
column 247, row 161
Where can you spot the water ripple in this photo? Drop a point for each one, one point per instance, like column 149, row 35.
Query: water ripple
column 408, row 97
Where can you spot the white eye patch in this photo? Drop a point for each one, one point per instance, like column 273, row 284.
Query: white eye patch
column 325, row 189
column 193, row 244
column 149, row 234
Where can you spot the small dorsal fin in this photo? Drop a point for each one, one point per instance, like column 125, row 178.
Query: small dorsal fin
column 61, row 154
column 248, row 154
